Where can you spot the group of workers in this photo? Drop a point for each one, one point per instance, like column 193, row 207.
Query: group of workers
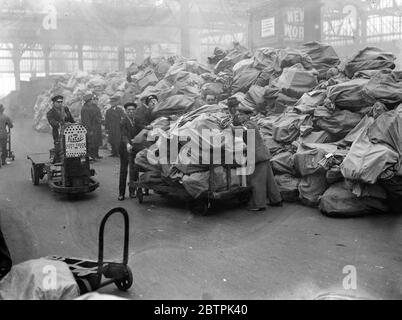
column 124, row 123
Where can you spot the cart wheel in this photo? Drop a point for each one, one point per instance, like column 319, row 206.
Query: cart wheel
column 125, row 283
column 199, row 207
column 35, row 175
column 140, row 195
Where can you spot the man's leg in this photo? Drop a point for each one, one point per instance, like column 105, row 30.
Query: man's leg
column 124, row 163
column 273, row 193
column 3, row 149
column 257, row 182
column 133, row 173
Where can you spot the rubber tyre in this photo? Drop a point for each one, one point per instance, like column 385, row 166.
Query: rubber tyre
column 35, row 175
column 125, row 283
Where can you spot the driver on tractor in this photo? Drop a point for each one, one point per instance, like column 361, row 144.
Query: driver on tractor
column 57, row 117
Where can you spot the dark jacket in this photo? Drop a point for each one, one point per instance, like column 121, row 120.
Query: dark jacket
column 128, row 131
column 55, row 120
column 143, row 118
column 91, row 119
column 4, row 122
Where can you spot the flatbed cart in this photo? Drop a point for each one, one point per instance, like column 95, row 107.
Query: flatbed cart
column 10, row 153
column 93, row 275
column 203, row 203
column 72, row 175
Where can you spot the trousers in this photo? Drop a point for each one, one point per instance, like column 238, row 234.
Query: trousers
column 127, row 167
column 264, row 186
column 3, row 149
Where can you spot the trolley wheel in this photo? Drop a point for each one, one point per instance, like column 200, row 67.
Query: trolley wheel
column 125, row 283
column 140, row 195
column 35, row 175
column 199, row 207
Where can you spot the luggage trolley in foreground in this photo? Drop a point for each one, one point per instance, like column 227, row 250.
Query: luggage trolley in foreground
column 203, row 203
column 93, row 275
column 72, row 175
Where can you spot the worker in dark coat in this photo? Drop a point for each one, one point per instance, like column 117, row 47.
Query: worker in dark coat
column 262, row 180
column 143, row 114
column 5, row 122
column 58, row 116
column 128, row 131
column 114, row 115
column 91, row 119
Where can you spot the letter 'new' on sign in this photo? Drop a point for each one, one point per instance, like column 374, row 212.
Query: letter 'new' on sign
column 268, row 27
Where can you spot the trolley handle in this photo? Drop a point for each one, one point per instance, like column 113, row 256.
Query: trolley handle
column 101, row 237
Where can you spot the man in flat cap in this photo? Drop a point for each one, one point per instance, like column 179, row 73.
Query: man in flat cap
column 126, row 151
column 5, row 122
column 57, row 116
column 143, row 114
column 114, row 116
column 91, row 119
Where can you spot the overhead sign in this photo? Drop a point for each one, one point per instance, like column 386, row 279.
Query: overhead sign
column 268, row 27
column 294, row 24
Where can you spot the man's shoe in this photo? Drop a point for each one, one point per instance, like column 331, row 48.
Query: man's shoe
column 133, row 195
column 121, row 198
column 257, row 209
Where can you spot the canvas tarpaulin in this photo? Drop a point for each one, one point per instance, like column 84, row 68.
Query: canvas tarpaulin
column 337, row 122
column 288, row 186
column 310, row 101
column 324, row 56
column 385, row 86
column 283, row 163
column 387, row 129
column 297, row 80
column 311, row 188
column 308, row 156
column 339, row 202
column 348, row 95
column 370, row 58
column 367, row 162
column 177, row 104
column 40, row 279
column 244, row 80
column 286, row 128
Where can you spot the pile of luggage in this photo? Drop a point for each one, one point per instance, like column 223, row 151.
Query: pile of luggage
column 332, row 127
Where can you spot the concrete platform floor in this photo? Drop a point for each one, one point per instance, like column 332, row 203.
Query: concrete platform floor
column 284, row 253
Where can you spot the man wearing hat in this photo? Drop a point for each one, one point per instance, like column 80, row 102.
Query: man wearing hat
column 114, row 116
column 57, row 116
column 91, row 118
column 4, row 123
column 262, row 180
column 128, row 133
column 143, row 114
